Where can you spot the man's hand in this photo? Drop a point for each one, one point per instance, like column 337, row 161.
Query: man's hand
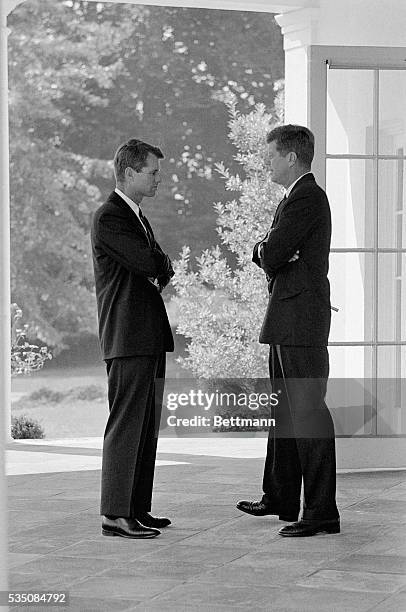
column 295, row 257
column 162, row 281
column 167, row 267
column 154, row 282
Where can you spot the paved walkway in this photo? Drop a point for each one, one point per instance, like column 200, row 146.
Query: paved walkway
column 213, row 557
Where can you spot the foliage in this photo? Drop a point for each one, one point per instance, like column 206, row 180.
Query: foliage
column 25, row 357
column 221, row 310
column 54, row 62
column 23, row 427
column 46, row 395
column 84, row 76
column 88, row 393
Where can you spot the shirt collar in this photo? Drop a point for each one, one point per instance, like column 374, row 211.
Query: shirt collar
column 133, row 205
column 289, row 189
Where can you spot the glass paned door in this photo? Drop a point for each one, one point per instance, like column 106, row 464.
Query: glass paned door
column 366, row 183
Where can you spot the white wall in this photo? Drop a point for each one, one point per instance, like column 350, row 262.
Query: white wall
column 362, row 22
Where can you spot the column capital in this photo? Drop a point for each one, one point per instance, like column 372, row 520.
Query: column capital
column 299, row 28
column 9, row 5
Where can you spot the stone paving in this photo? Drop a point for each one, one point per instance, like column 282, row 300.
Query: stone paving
column 213, row 557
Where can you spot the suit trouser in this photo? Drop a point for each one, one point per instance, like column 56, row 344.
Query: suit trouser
column 302, row 445
column 131, row 435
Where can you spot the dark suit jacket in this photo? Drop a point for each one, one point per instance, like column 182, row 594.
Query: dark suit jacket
column 298, row 312
column 132, row 314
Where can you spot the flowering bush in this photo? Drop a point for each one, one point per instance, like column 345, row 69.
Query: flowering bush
column 24, row 427
column 25, row 357
column 221, row 309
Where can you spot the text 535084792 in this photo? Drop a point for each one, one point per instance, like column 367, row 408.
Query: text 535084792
column 34, row 598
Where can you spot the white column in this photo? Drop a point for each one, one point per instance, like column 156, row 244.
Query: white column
column 5, row 348
column 299, row 32
column 304, row 88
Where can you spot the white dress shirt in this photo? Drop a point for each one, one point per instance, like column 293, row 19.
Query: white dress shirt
column 289, row 189
column 133, row 205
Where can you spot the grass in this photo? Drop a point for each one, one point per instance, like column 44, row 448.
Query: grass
column 69, row 402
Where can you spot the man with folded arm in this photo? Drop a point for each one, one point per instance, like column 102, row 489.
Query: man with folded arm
column 131, row 271
column 294, row 257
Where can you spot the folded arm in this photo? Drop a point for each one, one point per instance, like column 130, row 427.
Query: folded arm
column 284, row 240
column 124, row 245
column 256, row 253
column 164, row 278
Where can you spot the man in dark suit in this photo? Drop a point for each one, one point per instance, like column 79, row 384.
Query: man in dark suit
column 294, row 256
column 130, row 271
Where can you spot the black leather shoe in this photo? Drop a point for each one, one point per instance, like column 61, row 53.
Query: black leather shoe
column 127, row 528
column 258, row 508
column 152, row 521
column 310, row 528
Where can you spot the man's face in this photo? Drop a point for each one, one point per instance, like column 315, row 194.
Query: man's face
column 145, row 182
column 278, row 164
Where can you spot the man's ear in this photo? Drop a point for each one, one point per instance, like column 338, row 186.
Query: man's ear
column 292, row 159
column 129, row 173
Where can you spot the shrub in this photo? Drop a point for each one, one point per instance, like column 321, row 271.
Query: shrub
column 222, row 309
column 24, row 427
column 46, row 395
column 88, row 393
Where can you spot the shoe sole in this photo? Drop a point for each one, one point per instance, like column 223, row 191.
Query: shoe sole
column 106, row 532
column 329, row 530
column 281, row 518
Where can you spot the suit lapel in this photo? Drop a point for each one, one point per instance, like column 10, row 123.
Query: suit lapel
column 307, row 178
column 278, row 210
column 130, row 214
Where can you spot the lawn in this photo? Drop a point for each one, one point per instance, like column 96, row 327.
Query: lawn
column 72, row 401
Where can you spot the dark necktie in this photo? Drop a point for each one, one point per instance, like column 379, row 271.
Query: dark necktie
column 147, row 227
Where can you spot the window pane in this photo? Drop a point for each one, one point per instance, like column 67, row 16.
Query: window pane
column 391, row 297
column 350, row 95
column 350, row 390
column 352, row 405
column 391, row 390
column 349, row 185
column 352, row 279
column 392, row 204
column 392, row 104
column 350, row 361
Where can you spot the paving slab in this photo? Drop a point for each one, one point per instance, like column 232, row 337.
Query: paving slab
column 305, row 599
column 84, row 604
column 371, row 582
column 240, row 597
column 394, row 564
column 394, row 603
column 213, row 557
column 181, row 570
column 118, row 586
column 18, row 559
column 392, row 544
column 255, row 574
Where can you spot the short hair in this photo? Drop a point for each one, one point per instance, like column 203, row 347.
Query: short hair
column 295, row 138
column 133, row 154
